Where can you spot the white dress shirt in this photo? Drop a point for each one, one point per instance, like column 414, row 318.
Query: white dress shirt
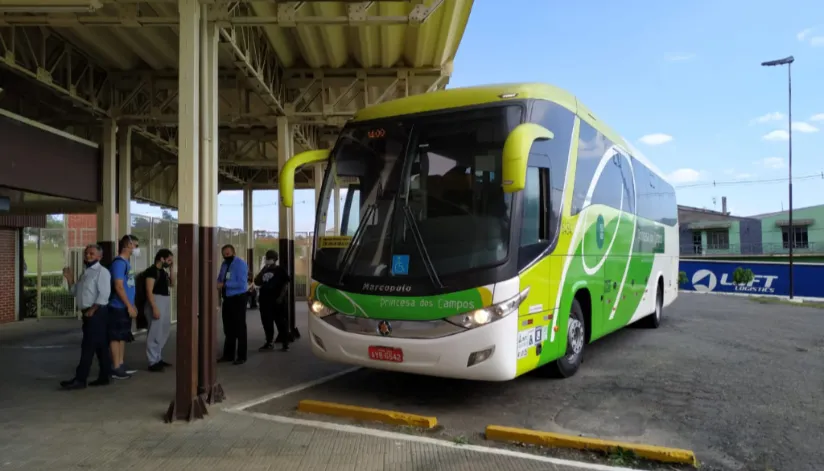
column 93, row 287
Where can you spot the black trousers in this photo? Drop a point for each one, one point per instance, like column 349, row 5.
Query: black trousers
column 273, row 315
column 95, row 342
column 253, row 299
column 234, row 327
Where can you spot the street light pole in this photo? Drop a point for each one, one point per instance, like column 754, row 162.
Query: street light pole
column 788, row 61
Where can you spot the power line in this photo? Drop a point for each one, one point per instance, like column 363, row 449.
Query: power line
column 751, row 181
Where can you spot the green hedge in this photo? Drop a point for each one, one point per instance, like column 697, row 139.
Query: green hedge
column 54, row 301
column 52, row 279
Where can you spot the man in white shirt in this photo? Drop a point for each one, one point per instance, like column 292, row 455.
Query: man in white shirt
column 92, row 293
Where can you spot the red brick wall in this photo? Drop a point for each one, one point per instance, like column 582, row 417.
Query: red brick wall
column 7, row 274
column 82, row 229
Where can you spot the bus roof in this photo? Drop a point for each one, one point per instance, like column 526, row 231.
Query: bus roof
column 476, row 95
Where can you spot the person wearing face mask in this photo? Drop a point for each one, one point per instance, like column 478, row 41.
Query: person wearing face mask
column 158, row 307
column 233, row 285
column 273, row 281
column 92, row 293
column 121, row 306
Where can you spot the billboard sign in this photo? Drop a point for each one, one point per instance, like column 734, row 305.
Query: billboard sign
column 770, row 279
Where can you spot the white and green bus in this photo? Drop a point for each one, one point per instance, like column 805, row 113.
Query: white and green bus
column 486, row 231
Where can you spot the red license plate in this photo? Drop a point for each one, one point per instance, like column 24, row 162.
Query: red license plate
column 386, row 354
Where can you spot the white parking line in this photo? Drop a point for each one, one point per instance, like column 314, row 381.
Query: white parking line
column 285, row 392
column 426, row 440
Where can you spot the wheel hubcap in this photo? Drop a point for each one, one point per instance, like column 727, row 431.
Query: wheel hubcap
column 575, row 337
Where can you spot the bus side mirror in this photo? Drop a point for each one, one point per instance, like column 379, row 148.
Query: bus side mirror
column 286, row 177
column 516, row 154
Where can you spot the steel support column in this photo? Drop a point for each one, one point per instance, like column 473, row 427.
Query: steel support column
column 286, row 228
column 317, row 179
column 248, row 227
column 208, row 384
column 124, row 181
column 187, row 404
column 336, row 195
column 106, row 227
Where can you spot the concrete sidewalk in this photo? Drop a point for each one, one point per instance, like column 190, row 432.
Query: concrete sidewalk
column 120, row 426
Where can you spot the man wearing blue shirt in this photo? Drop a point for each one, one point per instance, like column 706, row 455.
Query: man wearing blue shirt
column 121, row 306
column 232, row 281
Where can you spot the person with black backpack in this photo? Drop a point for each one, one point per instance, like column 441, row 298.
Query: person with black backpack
column 155, row 302
column 273, row 281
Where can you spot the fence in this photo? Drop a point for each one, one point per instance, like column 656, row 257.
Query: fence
column 47, row 251
column 766, row 249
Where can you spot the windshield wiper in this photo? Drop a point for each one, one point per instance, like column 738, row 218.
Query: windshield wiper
column 416, row 234
column 354, row 245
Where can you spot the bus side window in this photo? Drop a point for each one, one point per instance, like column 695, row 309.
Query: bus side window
column 535, row 220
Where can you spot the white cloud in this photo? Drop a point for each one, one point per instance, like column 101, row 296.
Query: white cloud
column 777, row 135
column 680, row 57
column 655, row 139
column 802, row 35
column 684, row 175
column 774, row 116
column 801, row 126
column 817, row 117
column 772, row 162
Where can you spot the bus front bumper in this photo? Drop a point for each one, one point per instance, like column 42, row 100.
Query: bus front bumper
column 485, row 353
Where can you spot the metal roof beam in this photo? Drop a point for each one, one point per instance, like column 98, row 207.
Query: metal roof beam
column 50, row 61
column 255, row 58
column 418, row 16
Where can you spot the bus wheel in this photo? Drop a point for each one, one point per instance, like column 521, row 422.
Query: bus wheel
column 653, row 321
column 568, row 365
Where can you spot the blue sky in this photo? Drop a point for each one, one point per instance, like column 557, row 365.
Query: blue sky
column 681, row 80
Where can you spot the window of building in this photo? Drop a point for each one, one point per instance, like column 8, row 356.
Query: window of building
column 696, row 242
column 801, row 238
column 718, row 240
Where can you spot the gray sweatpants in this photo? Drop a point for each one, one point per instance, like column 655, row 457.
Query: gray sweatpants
column 158, row 328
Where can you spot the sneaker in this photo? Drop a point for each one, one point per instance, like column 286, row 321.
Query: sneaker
column 157, row 367
column 128, row 369
column 120, row 374
column 285, row 347
column 268, row 346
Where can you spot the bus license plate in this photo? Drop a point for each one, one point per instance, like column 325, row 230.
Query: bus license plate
column 386, row 354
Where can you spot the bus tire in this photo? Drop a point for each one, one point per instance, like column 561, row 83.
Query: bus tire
column 653, row 321
column 568, row 365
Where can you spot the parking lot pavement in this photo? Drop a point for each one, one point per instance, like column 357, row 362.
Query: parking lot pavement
column 740, row 383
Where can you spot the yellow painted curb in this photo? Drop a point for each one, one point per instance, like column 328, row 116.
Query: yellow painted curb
column 557, row 440
column 366, row 413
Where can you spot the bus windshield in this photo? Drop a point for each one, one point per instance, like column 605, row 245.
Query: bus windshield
column 422, row 196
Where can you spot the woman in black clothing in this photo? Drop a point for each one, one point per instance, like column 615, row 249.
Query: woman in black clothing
column 273, row 281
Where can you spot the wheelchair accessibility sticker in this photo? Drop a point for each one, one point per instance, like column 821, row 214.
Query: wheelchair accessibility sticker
column 400, row 264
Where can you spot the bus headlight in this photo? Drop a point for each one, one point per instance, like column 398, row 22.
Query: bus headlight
column 319, row 309
column 487, row 315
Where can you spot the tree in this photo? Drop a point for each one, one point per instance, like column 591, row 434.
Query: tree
column 167, row 215
column 742, row 276
column 682, row 278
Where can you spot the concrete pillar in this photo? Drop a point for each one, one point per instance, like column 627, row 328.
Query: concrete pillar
column 187, row 404
column 249, row 227
column 124, row 183
column 208, row 384
column 106, row 228
column 286, row 227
